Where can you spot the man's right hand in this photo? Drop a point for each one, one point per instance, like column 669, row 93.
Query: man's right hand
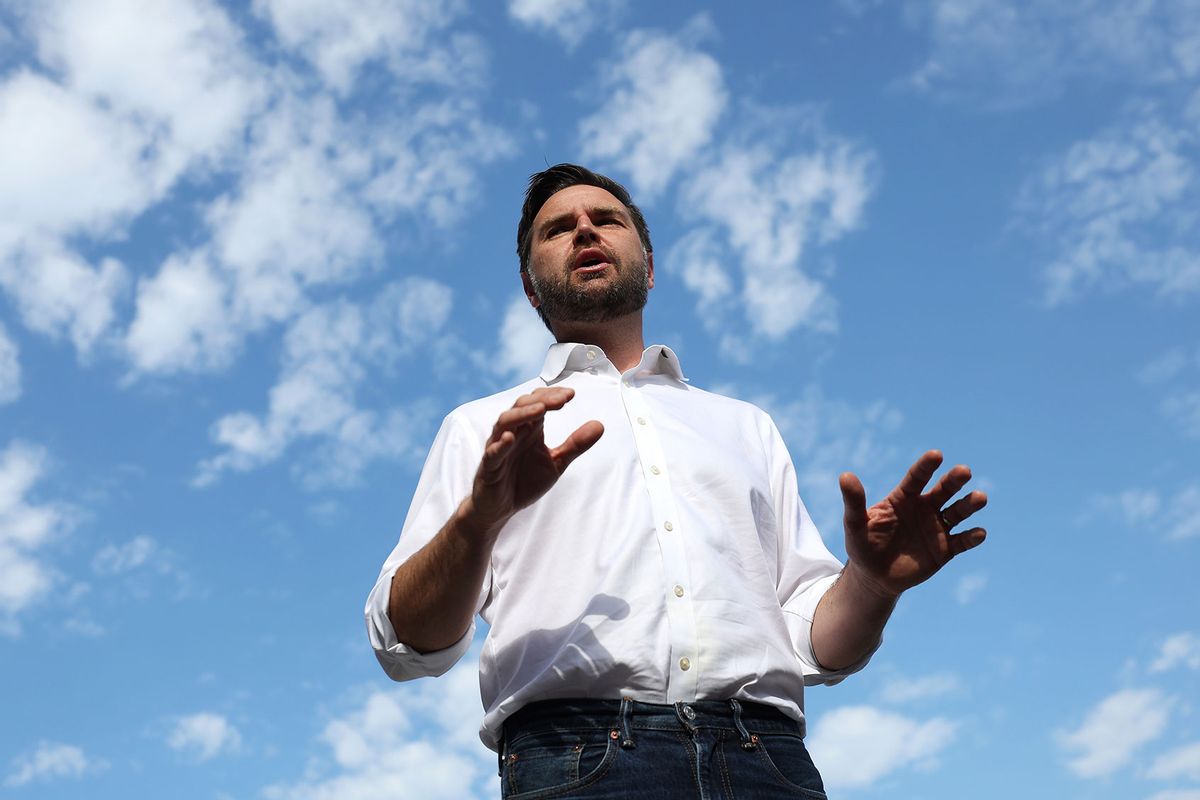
column 517, row 467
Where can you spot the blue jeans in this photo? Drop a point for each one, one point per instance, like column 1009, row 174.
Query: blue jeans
column 624, row 750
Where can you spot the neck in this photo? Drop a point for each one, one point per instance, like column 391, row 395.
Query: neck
column 619, row 338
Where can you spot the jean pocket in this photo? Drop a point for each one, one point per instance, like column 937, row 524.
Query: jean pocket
column 547, row 765
column 787, row 760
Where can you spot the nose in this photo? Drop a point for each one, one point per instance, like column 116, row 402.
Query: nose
column 584, row 231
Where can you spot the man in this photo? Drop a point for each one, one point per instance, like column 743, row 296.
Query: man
column 656, row 609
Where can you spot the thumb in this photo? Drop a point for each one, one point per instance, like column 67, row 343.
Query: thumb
column 854, row 498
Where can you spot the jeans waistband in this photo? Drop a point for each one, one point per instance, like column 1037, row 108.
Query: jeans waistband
column 623, row 717
column 590, row 714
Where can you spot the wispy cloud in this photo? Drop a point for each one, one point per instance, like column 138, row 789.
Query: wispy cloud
column 910, row 688
column 570, row 20
column 1115, row 730
column 856, row 746
column 1178, row 650
column 1181, row 762
column 10, row 368
column 1115, row 209
column 327, row 352
column 408, row 38
column 827, row 436
column 969, row 586
column 1175, row 516
column 1006, row 54
column 26, row 527
column 204, row 736
column 50, row 761
column 523, row 340
column 665, row 96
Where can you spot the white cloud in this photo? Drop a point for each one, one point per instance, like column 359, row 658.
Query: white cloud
column 1114, row 730
column 192, row 85
column 523, row 341
column 327, row 351
column 316, row 199
column 417, row 740
column 666, row 97
column 969, row 586
column 1180, row 649
column 1115, row 207
column 50, row 761
column 1175, row 516
column 204, row 736
column 182, row 318
column 858, row 745
column 114, row 559
column 1182, row 762
column 25, row 529
column 1176, row 794
column 1164, row 367
column 339, row 39
column 1005, row 54
column 909, row 688
column 776, row 190
column 10, row 368
column 570, row 20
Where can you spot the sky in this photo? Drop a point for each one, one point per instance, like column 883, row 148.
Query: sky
column 251, row 254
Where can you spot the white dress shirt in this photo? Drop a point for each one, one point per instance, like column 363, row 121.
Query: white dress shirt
column 674, row 561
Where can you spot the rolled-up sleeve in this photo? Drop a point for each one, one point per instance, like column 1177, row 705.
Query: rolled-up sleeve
column 806, row 568
column 445, row 481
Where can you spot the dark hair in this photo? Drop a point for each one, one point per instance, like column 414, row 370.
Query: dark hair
column 561, row 176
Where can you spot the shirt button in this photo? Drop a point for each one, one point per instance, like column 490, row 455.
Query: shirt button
column 591, row 355
column 654, row 470
column 641, row 420
column 678, row 590
column 685, row 664
column 627, row 383
column 668, row 526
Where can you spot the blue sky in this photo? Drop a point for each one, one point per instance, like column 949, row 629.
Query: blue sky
column 251, row 254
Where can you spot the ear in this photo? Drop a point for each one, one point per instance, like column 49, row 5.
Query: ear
column 650, row 270
column 527, row 285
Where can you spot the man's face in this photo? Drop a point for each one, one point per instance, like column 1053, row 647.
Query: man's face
column 586, row 262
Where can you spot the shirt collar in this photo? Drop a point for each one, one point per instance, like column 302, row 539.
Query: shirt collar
column 564, row 357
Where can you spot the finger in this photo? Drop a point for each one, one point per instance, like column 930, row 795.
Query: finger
column 577, row 444
column 919, row 473
column 553, row 398
column 516, row 417
column 961, row 542
column 949, row 485
column 964, row 507
column 854, row 498
column 494, row 455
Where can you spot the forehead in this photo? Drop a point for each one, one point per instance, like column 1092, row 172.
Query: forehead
column 576, row 199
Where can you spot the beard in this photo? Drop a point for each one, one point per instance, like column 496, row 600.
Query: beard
column 561, row 299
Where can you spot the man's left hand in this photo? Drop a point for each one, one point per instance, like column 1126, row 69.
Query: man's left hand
column 905, row 538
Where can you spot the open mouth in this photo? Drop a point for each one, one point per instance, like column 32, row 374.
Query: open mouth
column 591, row 261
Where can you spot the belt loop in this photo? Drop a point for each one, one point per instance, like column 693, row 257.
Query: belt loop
column 749, row 742
column 626, row 724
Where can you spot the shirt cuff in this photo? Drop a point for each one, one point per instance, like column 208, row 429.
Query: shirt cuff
column 402, row 663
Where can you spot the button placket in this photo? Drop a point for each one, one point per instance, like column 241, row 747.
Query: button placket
column 683, row 679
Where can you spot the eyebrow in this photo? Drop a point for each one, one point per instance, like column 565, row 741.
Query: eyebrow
column 599, row 211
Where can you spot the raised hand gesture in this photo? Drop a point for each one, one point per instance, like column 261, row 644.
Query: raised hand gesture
column 905, row 538
column 517, row 467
